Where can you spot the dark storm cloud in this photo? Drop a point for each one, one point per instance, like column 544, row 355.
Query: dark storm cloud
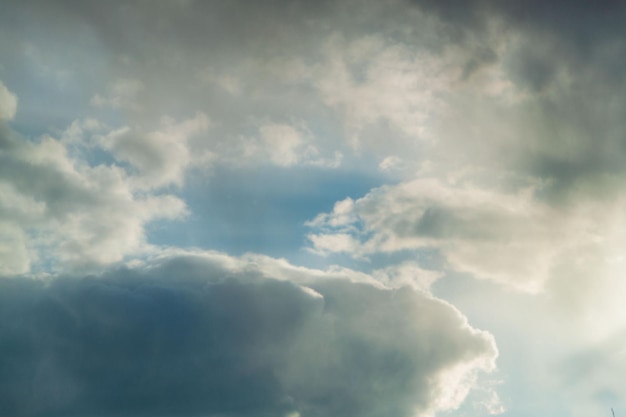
column 188, row 338
column 582, row 38
column 579, row 22
column 576, row 34
column 566, row 60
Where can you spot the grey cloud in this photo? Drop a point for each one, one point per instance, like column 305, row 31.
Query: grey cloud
column 563, row 121
column 579, row 23
column 47, row 184
column 482, row 56
column 188, row 337
column 533, row 66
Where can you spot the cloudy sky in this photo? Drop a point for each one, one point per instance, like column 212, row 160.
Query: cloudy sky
column 285, row 208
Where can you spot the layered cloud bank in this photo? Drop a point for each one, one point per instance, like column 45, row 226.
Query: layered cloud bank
column 207, row 334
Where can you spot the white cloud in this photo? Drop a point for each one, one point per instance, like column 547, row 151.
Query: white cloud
column 8, row 104
column 335, row 243
column 286, row 146
column 455, row 383
column 58, row 209
column 370, row 80
column 407, row 274
column 389, row 163
column 510, row 237
column 162, row 156
column 14, row 256
column 283, row 145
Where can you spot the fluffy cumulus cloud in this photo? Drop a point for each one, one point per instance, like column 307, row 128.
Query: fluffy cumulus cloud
column 60, row 209
column 160, row 157
column 283, row 145
column 206, row 334
column 511, row 237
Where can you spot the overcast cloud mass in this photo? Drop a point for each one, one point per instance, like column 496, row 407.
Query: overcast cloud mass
column 292, row 208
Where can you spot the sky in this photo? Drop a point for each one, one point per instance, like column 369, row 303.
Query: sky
column 285, row 208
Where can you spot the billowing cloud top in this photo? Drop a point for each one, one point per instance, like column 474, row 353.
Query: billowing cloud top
column 190, row 336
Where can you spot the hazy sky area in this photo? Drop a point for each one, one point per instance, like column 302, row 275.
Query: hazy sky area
column 289, row 208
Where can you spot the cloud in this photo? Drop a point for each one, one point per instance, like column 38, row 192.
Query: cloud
column 393, row 69
column 527, row 88
column 371, row 81
column 522, row 87
column 8, row 104
column 420, row 93
column 82, row 197
column 14, row 253
column 577, row 24
column 408, row 274
column 284, row 145
column 187, row 335
column 550, row 107
column 122, row 94
column 160, row 157
column 59, row 207
column 349, row 85
column 511, row 237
